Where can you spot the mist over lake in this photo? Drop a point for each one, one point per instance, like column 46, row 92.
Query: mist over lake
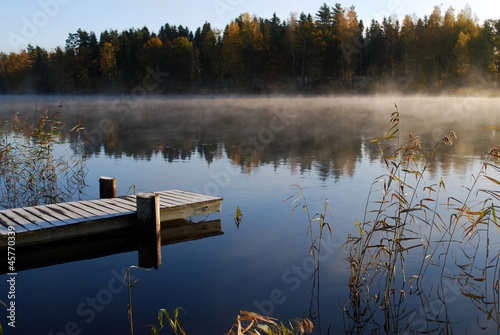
column 253, row 152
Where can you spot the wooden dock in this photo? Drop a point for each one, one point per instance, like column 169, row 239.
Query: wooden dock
column 47, row 223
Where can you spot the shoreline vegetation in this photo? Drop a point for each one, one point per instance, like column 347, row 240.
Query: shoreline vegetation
column 329, row 52
column 34, row 169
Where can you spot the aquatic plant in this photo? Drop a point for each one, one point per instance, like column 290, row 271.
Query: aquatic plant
column 238, row 216
column 402, row 215
column 316, row 226
column 34, row 169
column 174, row 322
column 253, row 323
column 163, row 314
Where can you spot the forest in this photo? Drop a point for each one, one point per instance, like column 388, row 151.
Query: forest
column 328, row 52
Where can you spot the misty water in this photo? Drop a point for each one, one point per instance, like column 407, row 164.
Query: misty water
column 252, row 152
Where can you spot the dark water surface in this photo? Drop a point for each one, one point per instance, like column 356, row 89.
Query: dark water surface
column 250, row 151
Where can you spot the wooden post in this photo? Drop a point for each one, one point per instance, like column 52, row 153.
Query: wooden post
column 148, row 223
column 107, row 187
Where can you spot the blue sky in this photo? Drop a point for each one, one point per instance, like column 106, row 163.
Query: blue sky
column 47, row 23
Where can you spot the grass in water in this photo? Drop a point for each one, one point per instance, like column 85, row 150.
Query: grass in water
column 33, row 167
column 317, row 224
column 403, row 215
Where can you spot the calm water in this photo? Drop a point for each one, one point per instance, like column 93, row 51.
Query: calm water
column 251, row 152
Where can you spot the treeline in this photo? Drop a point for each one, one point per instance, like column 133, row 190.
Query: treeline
column 331, row 51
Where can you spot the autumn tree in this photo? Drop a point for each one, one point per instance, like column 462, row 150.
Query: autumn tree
column 108, row 63
column 346, row 23
column 15, row 70
column 231, row 53
column 252, row 48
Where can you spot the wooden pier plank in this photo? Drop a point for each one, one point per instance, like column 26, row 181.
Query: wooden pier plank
column 20, row 220
column 180, row 201
column 206, row 196
column 64, row 211
column 114, row 204
column 172, row 203
column 83, row 206
column 129, row 198
column 6, row 221
column 101, row 206
column 45, row 216
column 189, row 195
column 47, row 209
column 34, row 219
column 180, row 197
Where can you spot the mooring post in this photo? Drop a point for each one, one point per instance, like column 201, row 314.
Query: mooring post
column 107, row 187
column 148, row 223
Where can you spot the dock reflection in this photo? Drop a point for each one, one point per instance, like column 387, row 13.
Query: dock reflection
column 106, row 244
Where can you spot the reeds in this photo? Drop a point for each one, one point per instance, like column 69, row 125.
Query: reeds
column 253, row 323
column 402, row 216
column 34, row 167
column 317, row 224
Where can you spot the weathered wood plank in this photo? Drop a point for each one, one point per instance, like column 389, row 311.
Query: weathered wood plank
column 84, row 207
column 63, row 219
column 130, row 205
column 70, row 208
column 75, row 216
column 20, row 220
column 129, row 197
column 6, row 221
column 112, row 204
column 190, row 195
column 206, row 196
column 182, row 199
column 101, row 206
column 44, row 216
column 170, row 203
column 35, row 219
column 179, row 197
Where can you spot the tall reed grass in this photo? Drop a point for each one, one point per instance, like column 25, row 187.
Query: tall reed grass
column 405, row 215
column 317, row 224
column 40, row 160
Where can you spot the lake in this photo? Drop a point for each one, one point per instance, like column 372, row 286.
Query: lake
column 254, row 152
